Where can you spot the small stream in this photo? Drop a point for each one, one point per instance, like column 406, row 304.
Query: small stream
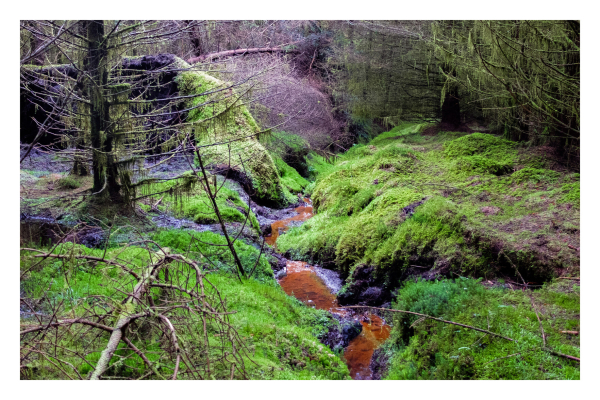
column 303, row 282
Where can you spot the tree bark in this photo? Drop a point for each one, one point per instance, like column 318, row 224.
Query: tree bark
column 106, row 187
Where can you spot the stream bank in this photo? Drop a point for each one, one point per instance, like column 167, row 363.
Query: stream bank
column 361, row 334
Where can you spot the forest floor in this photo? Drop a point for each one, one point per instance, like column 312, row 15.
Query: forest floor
column 464, row 227
column 415, row 216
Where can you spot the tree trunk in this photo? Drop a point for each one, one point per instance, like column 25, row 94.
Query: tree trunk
column 451, row 104
column 104, row 167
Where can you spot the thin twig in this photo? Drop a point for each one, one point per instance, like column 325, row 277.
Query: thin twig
column 436, row 319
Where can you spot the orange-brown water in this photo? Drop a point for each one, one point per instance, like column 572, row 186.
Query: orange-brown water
column 305, row 285
column 304, row 213
column 360, row 350
column 302, row 282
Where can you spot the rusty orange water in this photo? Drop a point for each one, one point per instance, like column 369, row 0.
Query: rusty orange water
column 304, row 213
column 359, row 352
column 302, row 282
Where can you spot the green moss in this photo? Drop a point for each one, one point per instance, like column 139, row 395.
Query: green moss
column 283, row 332
column 290, row 178
column 535, row 175
column 198, row 246
column 474, row 207
column 483, row 165
column 434, row 350
column 283, row 144
column 196, row 205
column 228, row 121
column 280, row 332
column 68, row 183
column 480, row 144
column 571, row 193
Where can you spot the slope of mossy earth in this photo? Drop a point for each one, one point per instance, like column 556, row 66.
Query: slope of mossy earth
column 411, row 206
column 450, row 202
column 280, row 331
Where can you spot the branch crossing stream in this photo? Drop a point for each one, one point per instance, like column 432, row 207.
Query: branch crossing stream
column 302, row 282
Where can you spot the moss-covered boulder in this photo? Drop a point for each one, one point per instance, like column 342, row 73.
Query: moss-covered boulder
column 221, row 117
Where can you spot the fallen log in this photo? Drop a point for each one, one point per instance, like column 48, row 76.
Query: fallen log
column 228, row 53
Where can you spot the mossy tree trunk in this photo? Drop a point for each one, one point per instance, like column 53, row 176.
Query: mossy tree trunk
column 106, row 187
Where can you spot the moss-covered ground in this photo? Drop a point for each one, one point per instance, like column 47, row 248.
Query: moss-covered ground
column 195, row 203
column 280, row 332
column 462, row 205
column 427, row 349
column 483, row 199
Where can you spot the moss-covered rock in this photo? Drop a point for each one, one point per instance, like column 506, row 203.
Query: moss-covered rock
column 225, row 119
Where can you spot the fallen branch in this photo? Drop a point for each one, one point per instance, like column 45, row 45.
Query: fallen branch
column 570, row 332
column 569, row 277
column 227, row 53
column 436, row 319
column 556, row 353
column 155, row 205
column 539, row 320
column 143, row 357
column 67, row 322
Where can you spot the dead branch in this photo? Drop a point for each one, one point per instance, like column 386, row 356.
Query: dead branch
column 556, row 353
column 228, row 53
column 436, row 319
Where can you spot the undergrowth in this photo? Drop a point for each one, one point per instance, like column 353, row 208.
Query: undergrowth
column 280, row 331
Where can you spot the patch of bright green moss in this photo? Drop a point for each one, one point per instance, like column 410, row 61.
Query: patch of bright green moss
column 290, row 178
column 227, row 120
column 433, row 350
column 281, row 333
column 476, row 205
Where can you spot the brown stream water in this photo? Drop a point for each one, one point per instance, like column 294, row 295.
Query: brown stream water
column 302, row 282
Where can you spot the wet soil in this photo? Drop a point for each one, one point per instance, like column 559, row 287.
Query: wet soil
column 316, row 287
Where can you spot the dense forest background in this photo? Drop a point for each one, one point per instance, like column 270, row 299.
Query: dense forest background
column 335, row 82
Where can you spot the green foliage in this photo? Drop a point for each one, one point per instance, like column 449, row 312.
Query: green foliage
column 500, row 65
column 68, row 182
column 428, row 349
